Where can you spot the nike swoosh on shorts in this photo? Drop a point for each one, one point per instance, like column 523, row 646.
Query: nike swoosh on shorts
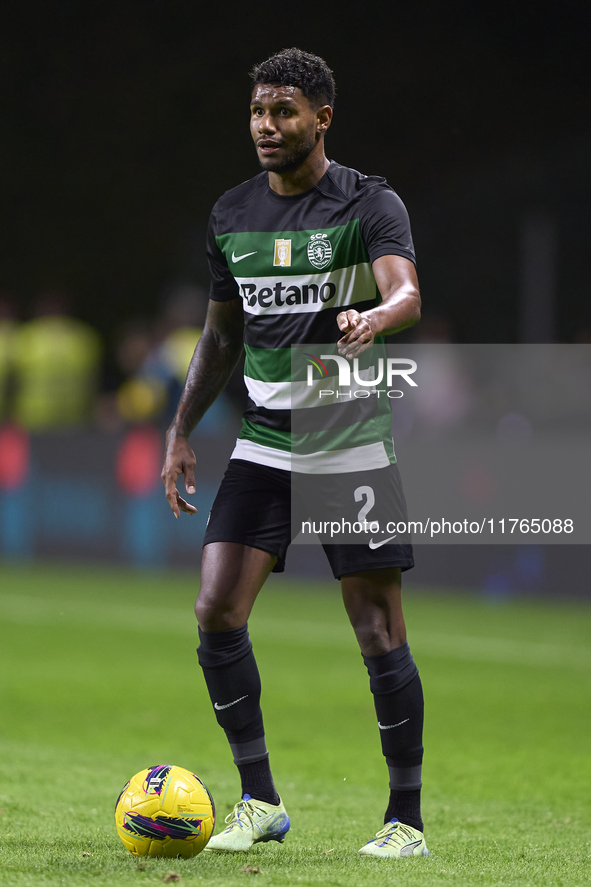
column 373, row 544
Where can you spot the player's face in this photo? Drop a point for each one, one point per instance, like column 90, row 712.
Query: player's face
column 283, row 125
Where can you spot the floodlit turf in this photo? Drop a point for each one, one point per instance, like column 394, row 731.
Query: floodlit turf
column 99, row 679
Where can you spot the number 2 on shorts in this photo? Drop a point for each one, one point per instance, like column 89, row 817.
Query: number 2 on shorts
column 370, row 500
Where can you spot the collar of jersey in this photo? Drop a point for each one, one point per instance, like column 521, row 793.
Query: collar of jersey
column 325, row 185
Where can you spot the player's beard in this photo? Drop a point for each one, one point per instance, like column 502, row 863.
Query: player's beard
column 294, row 157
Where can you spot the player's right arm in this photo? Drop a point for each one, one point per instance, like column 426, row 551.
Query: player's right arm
column 217, row 353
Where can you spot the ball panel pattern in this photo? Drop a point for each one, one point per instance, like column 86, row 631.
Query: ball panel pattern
column 165, row 811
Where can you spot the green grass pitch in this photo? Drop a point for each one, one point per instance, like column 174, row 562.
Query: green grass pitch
column 99, row 679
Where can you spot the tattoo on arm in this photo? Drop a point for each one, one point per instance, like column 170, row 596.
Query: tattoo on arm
column 215, row 357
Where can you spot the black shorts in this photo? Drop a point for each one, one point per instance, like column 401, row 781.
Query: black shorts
column 254, row 507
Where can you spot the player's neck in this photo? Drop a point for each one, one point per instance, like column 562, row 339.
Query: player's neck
column 303, row 178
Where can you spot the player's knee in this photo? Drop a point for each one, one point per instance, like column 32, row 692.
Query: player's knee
column 377, row 635
column 373, row 641
column 207, row 614
column 214, row 616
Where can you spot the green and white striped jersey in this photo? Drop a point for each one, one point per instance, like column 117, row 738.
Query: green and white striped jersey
column 296, row 262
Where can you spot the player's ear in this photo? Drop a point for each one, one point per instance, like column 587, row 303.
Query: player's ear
column 323, row 118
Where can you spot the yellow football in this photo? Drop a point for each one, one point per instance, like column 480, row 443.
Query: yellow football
column 165, row 811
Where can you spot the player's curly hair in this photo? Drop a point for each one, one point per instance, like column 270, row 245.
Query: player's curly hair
column 293, row 67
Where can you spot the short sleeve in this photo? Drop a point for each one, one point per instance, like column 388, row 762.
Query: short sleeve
column 223, row 286
column 385, row 226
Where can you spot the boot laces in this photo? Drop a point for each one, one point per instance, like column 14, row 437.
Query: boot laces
column 243, row 810
column 397, row 833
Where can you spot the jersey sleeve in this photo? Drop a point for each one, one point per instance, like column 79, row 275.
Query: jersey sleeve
column 223, row 286
column 385, row 226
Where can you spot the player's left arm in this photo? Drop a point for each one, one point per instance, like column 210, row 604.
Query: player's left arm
column 400, row 307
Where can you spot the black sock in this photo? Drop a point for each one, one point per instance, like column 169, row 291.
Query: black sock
column 398, row 697
column 405, row 806
column 234, row 686
column 257, row 781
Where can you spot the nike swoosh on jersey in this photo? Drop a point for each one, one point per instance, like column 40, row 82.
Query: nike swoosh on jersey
column 236, row 258
column 219, row 707
column 391, row 726
column 373, row 544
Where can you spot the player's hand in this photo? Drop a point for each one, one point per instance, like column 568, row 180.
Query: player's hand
column 179, row 459
column 359, row 335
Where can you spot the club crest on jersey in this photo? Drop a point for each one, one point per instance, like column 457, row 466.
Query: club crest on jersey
column 282, row 255
column 319, row 250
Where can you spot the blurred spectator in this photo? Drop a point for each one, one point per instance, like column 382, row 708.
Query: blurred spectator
column 157, row 361
column 178, row 330
column 138, row 398
column 56, row 366
column 8, row 326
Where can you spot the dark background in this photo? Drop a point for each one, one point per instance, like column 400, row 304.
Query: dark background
column 122, row 124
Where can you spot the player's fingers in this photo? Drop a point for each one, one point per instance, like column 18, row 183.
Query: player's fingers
column 190, row 479
column 168, row 478
column 359, row 338
column 345, row 347
column 352, row 335
column 348, row 320
column 185, row 506
column 355, row 319
column 358, row 349
column 342, row 321
column 172, row 501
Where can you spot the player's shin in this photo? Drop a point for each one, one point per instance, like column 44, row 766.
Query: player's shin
column 234, row 686
column 398, row 696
